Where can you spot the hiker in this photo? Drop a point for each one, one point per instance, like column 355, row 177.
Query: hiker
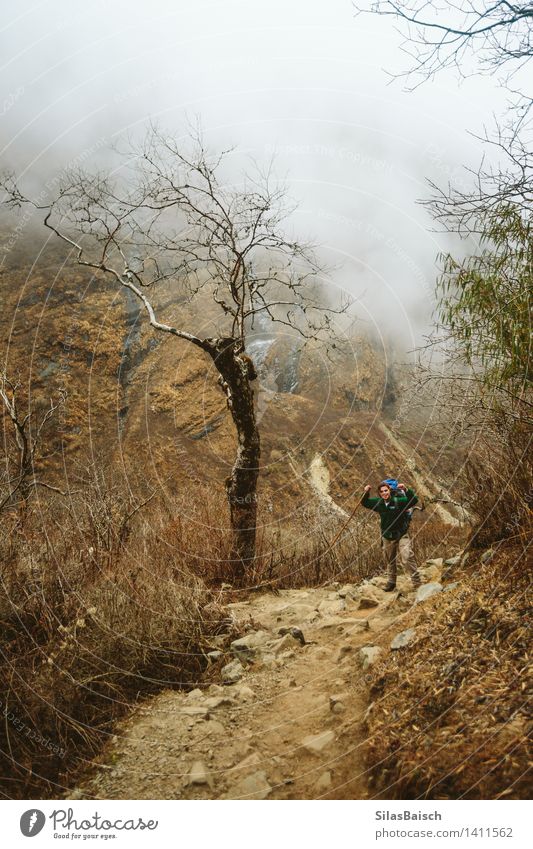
column 393, row 508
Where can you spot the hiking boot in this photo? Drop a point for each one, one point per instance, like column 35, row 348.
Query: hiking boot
column 389, row 587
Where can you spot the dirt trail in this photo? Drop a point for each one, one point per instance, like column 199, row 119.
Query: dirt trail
column 291, row 727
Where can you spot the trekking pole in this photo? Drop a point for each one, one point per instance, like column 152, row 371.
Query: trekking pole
column 347, row 522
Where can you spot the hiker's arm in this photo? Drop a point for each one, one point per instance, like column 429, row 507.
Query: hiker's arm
column 367, row 501
column 407, row 500
column 412, row 499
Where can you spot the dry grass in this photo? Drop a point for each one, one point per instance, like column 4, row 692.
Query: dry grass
column 451, row 715
column 95, row 614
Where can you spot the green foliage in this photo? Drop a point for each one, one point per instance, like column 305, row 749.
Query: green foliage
column 485, row 303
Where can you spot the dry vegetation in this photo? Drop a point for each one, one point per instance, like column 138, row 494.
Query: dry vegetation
column 106, row 599
column 451, row 716
column 96, row 611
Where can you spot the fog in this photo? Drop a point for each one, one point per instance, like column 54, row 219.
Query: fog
column 304, row 81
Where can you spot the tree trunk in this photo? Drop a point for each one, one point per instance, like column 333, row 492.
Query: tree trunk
column 236, row 373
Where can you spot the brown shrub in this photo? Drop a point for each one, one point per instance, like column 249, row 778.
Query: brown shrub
column 95, row 613
column 450, row 717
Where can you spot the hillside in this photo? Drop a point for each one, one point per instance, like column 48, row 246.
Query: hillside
column 137, row 400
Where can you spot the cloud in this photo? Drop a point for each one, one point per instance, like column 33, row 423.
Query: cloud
column 303, row 80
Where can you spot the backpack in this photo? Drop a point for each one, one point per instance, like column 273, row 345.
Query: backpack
column 407, row 515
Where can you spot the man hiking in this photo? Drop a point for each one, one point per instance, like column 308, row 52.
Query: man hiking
column 394, row 509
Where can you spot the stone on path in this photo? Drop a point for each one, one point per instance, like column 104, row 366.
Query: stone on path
column 245, row 648
column 318, row 742
column 199, row 774
column 232, row 672
column 194, row 695
column 244, row 693
column 195, row 711
column 286, row 643
column 368, row 655
column 214, row 655
column 254, row 786
column 427, row 591
column 366, row 602
column 324, row 783
column 404, row 638
column 336, row 704
column 347, row 591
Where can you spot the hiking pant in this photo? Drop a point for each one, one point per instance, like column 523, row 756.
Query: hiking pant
column 403, row 549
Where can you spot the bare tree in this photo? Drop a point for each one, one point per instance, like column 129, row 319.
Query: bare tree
column 174, row 216
column 25, row 431
column 498, row 34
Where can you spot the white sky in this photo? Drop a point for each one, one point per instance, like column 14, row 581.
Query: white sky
column 302, row 78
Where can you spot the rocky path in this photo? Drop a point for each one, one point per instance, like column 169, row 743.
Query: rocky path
column 284, row 719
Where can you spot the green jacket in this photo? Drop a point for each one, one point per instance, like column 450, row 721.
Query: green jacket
column 394, row 521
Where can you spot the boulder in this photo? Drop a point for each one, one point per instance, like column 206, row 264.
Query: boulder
column 214, row 655
column 297, row 633
column 243, row 693
column 336, row 704
column 366, row 602
column 199, row 774
column 438, row 562
column 431, row 573
column 368, row 655
column 232, row 672
column 347, row 591
column 404, row 638
column 331, row 607
column 286, row 643
column 316, row 743
column 427, row 591
column 254, row 786
column 247, row 647
column 195, row 695
column 324, row 783
column 462, row 557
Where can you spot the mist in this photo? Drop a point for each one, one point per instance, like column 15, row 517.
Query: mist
column 304, row 83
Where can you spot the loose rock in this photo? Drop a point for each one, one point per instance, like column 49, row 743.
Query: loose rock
column 214, row 655
column 254, row 786
column 366, row 602
column 247, row 647
column 368, row 655
column 347, row 591
column 318, row 742
column 427, row 591
column 232, row 672
column 196, row 711
column 286, row 643
column 324, row 783
column 199, row 774
column 404, row 638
